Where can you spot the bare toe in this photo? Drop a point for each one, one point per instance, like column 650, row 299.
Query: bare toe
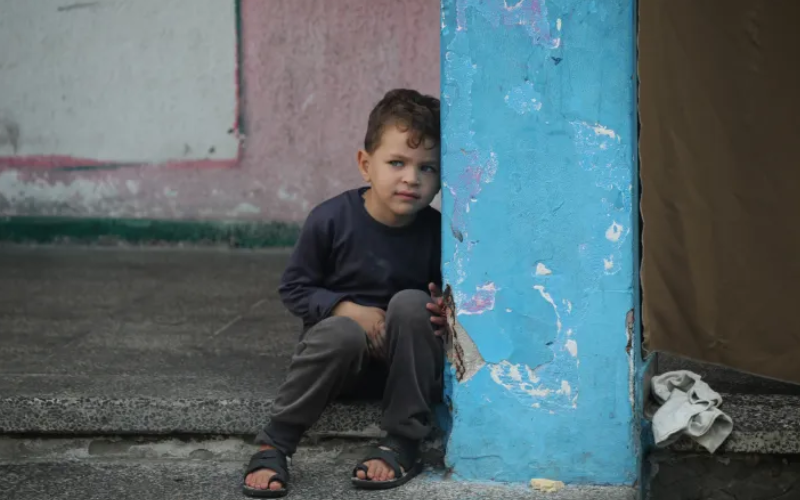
column 377, row 470
column 260, row 479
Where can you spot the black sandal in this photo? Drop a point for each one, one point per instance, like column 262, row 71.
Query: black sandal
column 402, row 457
column 273, row 460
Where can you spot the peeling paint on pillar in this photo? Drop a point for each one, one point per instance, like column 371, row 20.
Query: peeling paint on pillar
column 538, row 153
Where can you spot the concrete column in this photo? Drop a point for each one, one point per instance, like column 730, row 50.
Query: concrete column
column 539, row 238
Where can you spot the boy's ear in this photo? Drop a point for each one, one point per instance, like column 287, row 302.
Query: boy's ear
column 363, row 159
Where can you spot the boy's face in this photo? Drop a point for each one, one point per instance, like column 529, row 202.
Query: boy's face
column 404, row 180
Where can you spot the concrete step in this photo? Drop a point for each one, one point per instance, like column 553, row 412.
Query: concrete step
column 147, row 341
column 728, row 380
column 31, row 470
column 762, row 424
column 744, row 477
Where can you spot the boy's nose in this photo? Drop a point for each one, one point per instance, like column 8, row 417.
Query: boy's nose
column 411, row 177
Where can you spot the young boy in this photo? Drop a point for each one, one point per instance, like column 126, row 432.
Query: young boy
column 365, row 278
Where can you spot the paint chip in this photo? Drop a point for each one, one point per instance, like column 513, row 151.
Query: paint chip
column 602, row 130
column 609, row 263
column 510, row 376
column 549, row 298
column 541, row 270
column 572, row 347
column 614, row 233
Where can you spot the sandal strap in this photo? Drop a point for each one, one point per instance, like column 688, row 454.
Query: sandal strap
column 273, row 460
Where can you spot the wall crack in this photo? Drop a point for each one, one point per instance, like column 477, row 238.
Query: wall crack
column 461, row 350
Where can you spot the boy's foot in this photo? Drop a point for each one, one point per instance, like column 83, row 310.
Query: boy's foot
column 394, row 462
column 377, row 470
column 267, row 475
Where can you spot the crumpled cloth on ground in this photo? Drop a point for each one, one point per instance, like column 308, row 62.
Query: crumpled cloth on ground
column 688, row 407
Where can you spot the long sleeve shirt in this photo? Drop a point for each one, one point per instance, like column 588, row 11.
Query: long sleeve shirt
column 344, row 254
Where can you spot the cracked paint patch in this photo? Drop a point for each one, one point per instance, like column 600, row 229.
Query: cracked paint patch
column 546, row 296
column 527, row 386
column 551, row 385
column 523, row 99
column 481, row 301
column 572, row 348
column 532, row 14
column 598, row 129
column 468, row 185
column 459, row 261
column 609, row 266
column 600, row 147
column 461, row 15
column 614, row 232
column 511, row 377
column 541, row 270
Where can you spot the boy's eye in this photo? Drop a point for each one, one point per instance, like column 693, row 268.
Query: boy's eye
column 396, row 163
column 429, row 168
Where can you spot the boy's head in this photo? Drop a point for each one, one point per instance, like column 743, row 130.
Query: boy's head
column 400, row 159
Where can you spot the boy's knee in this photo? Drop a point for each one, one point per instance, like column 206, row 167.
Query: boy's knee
column 410, row 304
column 341, row 334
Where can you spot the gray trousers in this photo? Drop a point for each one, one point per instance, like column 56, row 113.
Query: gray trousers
column 331, row 360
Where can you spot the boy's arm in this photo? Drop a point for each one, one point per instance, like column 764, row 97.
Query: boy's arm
column 302, row 289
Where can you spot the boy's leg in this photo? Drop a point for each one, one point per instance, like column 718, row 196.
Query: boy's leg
column 326, row 361
column 416, row 366
column 415, row 371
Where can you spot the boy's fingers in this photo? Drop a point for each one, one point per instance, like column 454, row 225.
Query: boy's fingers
column 376, row 346
column 438, row 320
column 435, row 308
column 435, row 290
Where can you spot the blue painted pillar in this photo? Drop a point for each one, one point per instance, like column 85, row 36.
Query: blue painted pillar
column 539, row 171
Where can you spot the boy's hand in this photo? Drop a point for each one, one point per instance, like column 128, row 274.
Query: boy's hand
column 371, row 319
column 439, row 318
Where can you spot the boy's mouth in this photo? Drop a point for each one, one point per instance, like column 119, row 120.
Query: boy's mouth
column 407, row 195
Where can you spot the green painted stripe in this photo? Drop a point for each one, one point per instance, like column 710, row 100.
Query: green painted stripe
column 147, row 231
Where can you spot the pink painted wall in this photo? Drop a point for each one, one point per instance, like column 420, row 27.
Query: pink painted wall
column 312, row 71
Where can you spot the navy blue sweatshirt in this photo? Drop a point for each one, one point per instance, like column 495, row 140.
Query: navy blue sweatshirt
column 345, row 254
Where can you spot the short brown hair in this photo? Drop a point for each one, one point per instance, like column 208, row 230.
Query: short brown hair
column 409, row 110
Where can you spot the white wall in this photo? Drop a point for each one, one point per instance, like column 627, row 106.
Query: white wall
column 118, row 80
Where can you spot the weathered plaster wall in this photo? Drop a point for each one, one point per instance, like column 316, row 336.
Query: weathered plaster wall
column 539, row 138
column 311, row 72
column 69, row 71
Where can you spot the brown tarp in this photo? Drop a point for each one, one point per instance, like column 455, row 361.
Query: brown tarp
column 720, row 172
